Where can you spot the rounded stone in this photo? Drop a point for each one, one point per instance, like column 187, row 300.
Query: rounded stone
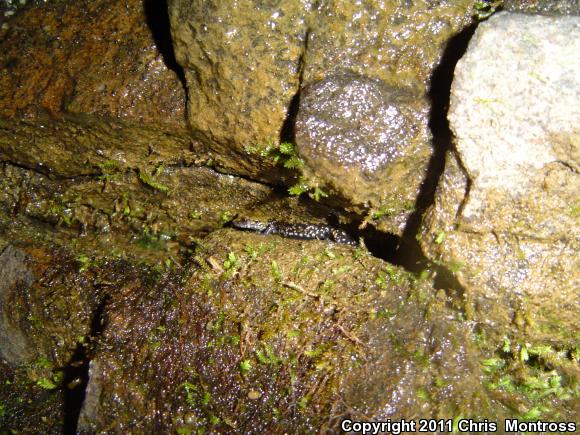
column 353, row 131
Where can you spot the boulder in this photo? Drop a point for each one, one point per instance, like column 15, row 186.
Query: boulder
column 506, row 214
column 273, row 335
column 365, row 141
column 247, row 67
column 398, row 42
column 44, row 308
column 15, row 348
column 242, row 66
column 93, row 57
column 546, row 7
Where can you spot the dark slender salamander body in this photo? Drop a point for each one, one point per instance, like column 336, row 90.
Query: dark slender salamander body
column 296, row 231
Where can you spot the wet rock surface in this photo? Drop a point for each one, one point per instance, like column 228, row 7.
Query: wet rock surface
column 78, row 145
column 253, row 340
column 242, row 66
column 142, row 212
column 548, row 7
column 242, row 96
column 506, row 215
column 40, row 319
column 127, row 296
column 397, row 42
column 14, row 348
column 95, row 57
column 366, row 141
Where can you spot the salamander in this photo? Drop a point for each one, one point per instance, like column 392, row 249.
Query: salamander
column 295, row 231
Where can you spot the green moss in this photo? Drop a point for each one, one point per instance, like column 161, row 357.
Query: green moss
column 61, row 211
column 391, row 206
column 153, row 240
column 225, row 217
column 46, row 383
column 85, row 262
column 276, row 272
column 392, row 274
column 317, row 194
column 51, row 383
column 42, row 363
column 283, row 154
column 486, row 8
column 110, row 170
column 231, row 264
column 151, row 179
column 245, row 366
column 194, row 214
column 440, row 238
column 266, row 356
column 191, row 391
column 574, row 211
column 530, row 374
column 256, row 252
column 300, row 187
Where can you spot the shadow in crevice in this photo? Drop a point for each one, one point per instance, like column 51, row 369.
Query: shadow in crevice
column 381, row 245
column 409, row 254
column 287, row 132
column 157, row 16
column 76, row 373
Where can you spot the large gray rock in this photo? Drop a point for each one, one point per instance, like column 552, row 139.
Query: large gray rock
column 549, row 7
column 506, row 217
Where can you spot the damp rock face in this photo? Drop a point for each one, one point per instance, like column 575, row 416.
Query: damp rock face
column 398, row 42
column 76, row 145
column 367, row 141
column 14, row 348
column 265, row 325
column 506, row 215
column 43, row 310
column 94, row 57
column 245, row 66
column 242, row 68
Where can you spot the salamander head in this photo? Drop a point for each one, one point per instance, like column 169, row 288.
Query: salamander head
column 249, row 224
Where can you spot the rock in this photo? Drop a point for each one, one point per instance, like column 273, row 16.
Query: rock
column 245, row 66
column 366, row 141
column 242, row 66
column 283, row 318
column 44, row 306
column 506, row 213
column 77, row 145
column 96, row 57
column 398, row 42
column 549, row 7
column 15, row 348
column 118, row 208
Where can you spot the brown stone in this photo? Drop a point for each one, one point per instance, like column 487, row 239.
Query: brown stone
column 97, row 57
